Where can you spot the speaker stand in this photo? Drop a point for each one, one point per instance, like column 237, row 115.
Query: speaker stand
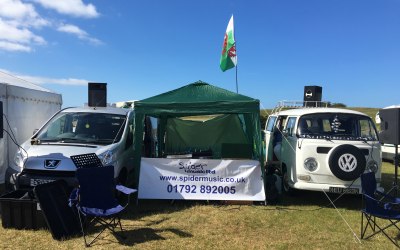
column 396, row 165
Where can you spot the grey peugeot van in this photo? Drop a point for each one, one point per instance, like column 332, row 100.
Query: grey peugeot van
column 45, row 157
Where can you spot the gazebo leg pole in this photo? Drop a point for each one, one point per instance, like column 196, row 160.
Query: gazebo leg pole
column 396, row 165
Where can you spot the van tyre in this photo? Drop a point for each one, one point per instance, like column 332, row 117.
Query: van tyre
column 347, row 162
column 285, row 183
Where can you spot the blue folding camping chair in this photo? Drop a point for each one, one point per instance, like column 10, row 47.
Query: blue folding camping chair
column 96, row 200
column 378, row 208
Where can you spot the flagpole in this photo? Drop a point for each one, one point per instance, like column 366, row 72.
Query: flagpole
column 237, row 88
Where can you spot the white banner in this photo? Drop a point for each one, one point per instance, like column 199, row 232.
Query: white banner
column 200, row 179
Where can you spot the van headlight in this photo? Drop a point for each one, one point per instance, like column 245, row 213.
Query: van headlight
column 19, row 160
column 106, row 158
column 311, row 164
column 372, row 166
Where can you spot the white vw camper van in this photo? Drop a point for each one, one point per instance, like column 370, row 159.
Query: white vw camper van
column 322, row 149
column 105, row 131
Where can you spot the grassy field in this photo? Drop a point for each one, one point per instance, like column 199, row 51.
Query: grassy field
column 304, row 221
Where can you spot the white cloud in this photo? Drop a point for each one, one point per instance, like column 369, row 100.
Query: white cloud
column 16, row 9
column 16, row 22
column 11, row 33
column 69, row 28
column 81, row 34
column 19, row 22
column 9, row 46
column 22, row 14
column 71, row 7
column 39, row 80
column 60, row 81
column 15, row 38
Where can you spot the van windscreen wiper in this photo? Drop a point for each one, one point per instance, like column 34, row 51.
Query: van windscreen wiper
column 62, row 139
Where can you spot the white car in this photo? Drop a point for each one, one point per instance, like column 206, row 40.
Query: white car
column 322, row 149
column 389, row 151
column 105, row 131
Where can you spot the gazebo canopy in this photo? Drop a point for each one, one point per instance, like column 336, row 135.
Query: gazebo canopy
column 200, row 99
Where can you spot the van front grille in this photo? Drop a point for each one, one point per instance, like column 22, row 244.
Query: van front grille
column 49, row 173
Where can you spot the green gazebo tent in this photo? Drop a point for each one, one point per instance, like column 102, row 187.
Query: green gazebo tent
column 238, row 121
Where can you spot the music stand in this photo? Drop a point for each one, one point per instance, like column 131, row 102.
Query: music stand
column 396, row 165
column 86, row 161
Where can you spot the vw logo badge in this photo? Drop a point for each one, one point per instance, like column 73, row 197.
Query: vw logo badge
column 51, row 164
column 347, row 162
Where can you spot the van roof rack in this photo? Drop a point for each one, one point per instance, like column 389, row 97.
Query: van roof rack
column 285, row 104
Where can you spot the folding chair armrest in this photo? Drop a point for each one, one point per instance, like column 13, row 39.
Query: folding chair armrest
column 125, row 190
column 378, row 201
column 387, row 195
column 387, row 205
column 393, row 206
column 395, row 189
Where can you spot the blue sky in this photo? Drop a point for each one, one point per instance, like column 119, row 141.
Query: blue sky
column 143, row 48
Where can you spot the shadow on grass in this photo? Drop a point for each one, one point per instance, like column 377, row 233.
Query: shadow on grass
column 143, row 235
column 319, row 199
column 313, row 198
column 133, row 236
column 150, row 207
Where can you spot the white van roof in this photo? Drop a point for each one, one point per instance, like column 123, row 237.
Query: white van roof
column 107, row 110
column 305, row 111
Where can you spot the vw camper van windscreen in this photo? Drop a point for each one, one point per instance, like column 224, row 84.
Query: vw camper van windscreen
column 81, row 127
column 337, row 126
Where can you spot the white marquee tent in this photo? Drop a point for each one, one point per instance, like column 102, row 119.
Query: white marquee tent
column 26, row 106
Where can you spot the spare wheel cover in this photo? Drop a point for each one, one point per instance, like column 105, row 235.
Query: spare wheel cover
column 347, row 162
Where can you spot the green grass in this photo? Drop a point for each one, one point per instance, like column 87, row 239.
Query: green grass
column 303, row 221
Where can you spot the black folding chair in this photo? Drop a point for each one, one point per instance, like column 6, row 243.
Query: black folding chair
column 96, row 201
column 380, row 212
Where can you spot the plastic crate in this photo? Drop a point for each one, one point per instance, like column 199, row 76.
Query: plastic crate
column 20, row 211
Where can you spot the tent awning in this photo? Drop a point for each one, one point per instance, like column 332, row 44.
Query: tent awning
column 198, row 98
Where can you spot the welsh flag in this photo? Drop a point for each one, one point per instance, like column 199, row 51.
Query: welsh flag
column 228, row 57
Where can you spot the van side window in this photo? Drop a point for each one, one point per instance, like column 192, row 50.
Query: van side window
column 326, row 126
column 290, row 126
column 367, row 129
column 270, row 124
column 281, row 123
column 278, row 128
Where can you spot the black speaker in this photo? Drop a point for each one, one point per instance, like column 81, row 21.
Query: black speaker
column 312, row 96
column 1, row 119
column 390, row 126
column 97, row 94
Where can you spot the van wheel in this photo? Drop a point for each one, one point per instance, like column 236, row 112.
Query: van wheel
column 285, row 183
column 347, row 162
